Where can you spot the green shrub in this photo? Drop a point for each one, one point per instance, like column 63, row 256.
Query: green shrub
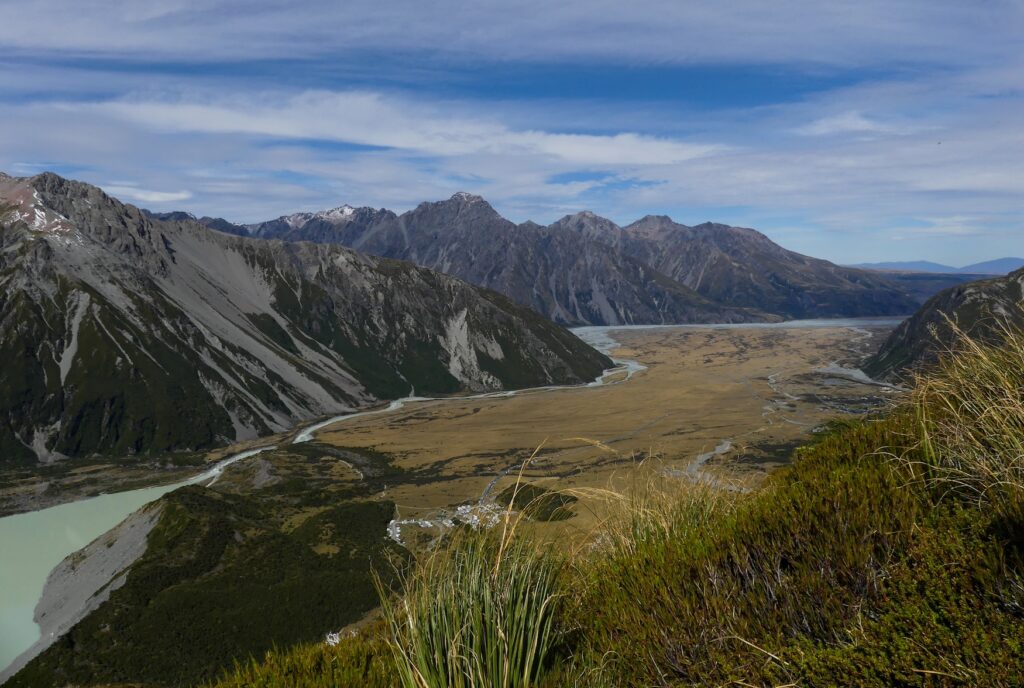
column 363, row 660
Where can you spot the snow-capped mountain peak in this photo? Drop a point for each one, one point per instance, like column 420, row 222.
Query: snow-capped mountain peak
column 339, row 213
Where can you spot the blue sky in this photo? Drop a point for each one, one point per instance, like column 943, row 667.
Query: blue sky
column 851, row 131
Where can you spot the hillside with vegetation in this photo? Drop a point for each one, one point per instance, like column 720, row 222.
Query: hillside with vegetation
column 890, row 553
column 979, row 309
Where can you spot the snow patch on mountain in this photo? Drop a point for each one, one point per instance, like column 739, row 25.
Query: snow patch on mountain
column 337, row 214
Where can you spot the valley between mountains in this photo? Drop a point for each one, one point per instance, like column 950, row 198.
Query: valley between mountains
column 140, row 350
column 301, row 526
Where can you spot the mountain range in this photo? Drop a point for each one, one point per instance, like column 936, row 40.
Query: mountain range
column 999, row 266
column 136, row 332
column 571, row 279
column 124, row 334
column 586, row 270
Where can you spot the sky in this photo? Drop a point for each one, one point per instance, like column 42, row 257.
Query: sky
column 853, row 131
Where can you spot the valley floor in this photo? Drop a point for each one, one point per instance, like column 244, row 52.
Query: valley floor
column 724, row 402
column 755, row 389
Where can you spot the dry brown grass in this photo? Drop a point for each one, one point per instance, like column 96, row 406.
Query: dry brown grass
column 970, row 413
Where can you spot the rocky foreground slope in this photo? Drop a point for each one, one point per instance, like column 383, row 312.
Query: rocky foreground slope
column 585, row 269
column 979, row 309
column 122, row 334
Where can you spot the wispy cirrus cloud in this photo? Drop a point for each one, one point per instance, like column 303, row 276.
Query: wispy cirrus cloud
column 871, row 32
column 369, row 119
column 952, row 227
column 131, row 192
column 852, row 122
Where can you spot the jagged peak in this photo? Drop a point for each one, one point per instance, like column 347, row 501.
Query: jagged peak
column 654, row 221
column 589, row 219
column 25, row 204
column 47, row 175
column 344, row 210
column 591, row 215
column 656, row 218
column 466, row 197
column 457, row 203
column 173, row 215
column 586, row 215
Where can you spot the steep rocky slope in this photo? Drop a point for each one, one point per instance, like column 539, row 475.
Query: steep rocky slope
column 585, row 269
column 124, row 334
column 977, row 308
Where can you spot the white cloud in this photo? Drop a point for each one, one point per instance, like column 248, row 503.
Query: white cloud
column 955, row 226
column 370, row 119
column 963, row 162
column 133, row 193
column 844, row 123
column 875, row 32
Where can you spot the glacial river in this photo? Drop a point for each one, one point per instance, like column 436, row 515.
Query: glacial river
column 33, row 543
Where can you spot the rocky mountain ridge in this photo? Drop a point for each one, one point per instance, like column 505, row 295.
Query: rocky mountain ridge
column 585, row 269
column 128, row 334
column 569, row 279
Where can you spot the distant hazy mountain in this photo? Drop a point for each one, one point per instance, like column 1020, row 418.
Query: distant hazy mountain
column 976, row 308
column 921, row 286
column 585, row 269
column 1000, row 266
column 217, row 223
column 222, row 225
column 326, row 227
column 908, row 266
column 123, row 334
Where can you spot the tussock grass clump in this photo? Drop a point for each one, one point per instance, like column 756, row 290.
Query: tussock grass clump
column 478, row 613
column 971, row 415
column 654, row 512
